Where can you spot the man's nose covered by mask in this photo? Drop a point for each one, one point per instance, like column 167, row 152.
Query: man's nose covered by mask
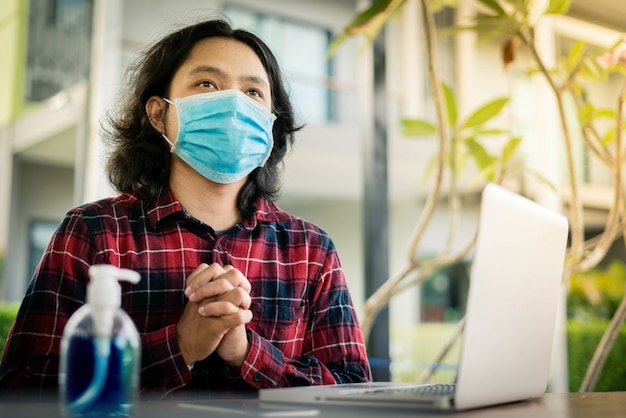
column 223, row 135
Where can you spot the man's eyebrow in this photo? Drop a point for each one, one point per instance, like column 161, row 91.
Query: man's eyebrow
column 256, row 80
column 221, row 73
column 208, row 69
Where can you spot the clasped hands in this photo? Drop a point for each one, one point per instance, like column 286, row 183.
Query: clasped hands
column 215, row 316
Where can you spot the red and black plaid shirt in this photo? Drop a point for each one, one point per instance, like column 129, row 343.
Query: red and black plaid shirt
column 304, row 330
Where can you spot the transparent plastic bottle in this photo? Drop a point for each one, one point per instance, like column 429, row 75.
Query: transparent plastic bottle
column 100, row 351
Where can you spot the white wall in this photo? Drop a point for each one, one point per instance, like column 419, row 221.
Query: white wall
column 40, row 193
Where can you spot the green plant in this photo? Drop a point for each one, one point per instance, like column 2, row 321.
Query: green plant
column 460, row 141
column 8, row 311
column 582, row 339
column 514, row 23
column 1, row 269
column 597, row 293
column 466, row 137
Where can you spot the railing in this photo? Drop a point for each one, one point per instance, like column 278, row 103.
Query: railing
column 59, row 45
column 414, row 347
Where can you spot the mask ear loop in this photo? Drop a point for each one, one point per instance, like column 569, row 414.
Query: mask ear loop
column 168, row 101
column 168, row 141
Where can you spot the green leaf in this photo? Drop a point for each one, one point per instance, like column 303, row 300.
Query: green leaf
column 478, row 153
column 430, row 167
column 487, row 174
column 609, row 137
column 485, row 113
column 494, row 6
column 451, row 108
column 502, row 25
column 585, row 115
column 604, row 113
column 576, row 54
column 438, row 5
column 510, row 148
column 541, row 178
column 482, row 132
column 486, row 26
column 418, row 127
column 366, row 16
column 559, row 7
column 336, row 43
column 370, row 21
column 367, row 23
column 619, row 70
column 588, row 113
column 594, row 70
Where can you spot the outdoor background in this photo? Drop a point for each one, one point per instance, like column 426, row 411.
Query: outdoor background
column 63, row 66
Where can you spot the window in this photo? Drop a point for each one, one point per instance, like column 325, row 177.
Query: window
column 59, row 45
column 39, row 234
column 444, row 295
column 301, row 49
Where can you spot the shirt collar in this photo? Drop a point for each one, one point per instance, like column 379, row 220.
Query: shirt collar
column 267, row 211
column 167, row 205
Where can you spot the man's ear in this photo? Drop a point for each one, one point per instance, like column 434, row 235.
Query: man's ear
column 155, row 109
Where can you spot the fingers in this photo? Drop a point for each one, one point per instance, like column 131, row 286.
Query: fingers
column 199, row 336
column 210, row 290
column 225, row 303
column 211, row 280
column 241, row 317
column 203, row 274
column 219, row 301
column 235, row 277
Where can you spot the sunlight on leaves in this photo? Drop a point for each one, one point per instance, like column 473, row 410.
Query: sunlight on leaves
column 451, row 107
column 559, row 6
column 418, row 127
column 485, row 113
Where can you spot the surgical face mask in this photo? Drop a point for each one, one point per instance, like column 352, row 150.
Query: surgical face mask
column 223, row 135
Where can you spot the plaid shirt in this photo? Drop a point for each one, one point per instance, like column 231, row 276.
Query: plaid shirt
column 304, row 329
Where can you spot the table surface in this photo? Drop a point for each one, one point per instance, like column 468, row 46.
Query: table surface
column 559, row 405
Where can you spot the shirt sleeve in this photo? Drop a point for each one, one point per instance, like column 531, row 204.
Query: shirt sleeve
column 333, row 349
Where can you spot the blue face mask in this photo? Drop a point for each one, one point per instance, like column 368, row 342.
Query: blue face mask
column 223, row 135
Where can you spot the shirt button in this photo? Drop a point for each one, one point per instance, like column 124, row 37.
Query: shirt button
column 257, row 377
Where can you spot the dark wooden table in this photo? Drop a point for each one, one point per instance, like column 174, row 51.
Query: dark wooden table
column 553, row 405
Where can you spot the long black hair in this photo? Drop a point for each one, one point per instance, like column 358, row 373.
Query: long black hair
column 139, row 160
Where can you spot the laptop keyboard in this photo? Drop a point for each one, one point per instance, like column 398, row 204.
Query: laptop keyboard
column 436, row 389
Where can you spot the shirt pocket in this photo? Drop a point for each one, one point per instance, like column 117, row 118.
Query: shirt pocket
column 283, row 325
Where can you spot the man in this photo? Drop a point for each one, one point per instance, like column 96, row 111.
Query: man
column 235, row 293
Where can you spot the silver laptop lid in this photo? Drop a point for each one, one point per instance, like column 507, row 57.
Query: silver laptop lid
column 512, row 304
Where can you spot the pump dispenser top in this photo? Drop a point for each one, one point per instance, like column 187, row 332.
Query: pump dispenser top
column 104, row 293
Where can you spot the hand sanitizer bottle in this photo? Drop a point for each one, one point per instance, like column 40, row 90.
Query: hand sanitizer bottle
column 100, row 351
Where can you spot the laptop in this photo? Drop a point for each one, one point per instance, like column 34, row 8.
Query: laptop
column 513, row 299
